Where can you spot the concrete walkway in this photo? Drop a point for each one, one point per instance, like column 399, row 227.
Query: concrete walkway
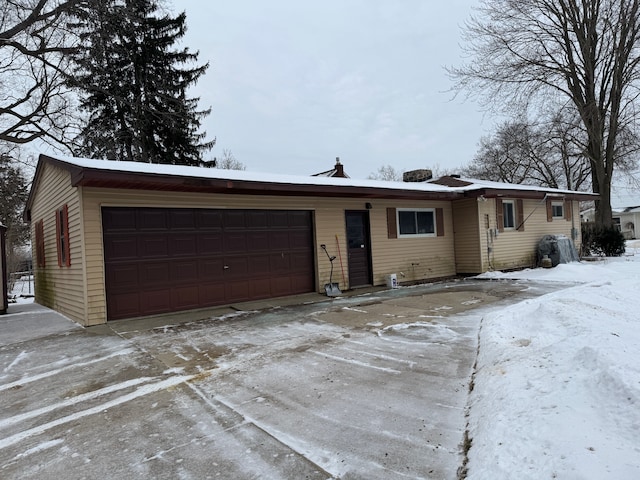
column 370, row 386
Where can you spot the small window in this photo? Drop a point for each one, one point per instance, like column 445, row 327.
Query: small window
column 557, row 209
column 508, row 214
column 40, row 244
column 617, row 223
column 62, row 236
column 420, row 222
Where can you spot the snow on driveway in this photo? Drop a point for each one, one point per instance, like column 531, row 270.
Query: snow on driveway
column 375, row 403
column 341, row 390
column 347, row 389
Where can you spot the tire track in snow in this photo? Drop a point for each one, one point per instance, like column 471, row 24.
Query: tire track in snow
column 140, row 392
column 16, row 360
column 355, row 362
column 73, row 401
column 40, row 376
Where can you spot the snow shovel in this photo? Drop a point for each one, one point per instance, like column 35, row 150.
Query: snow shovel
column 332, row 289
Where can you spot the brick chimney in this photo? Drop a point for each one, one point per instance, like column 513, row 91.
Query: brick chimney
column 420, row 175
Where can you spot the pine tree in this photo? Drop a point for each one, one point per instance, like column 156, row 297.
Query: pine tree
column 13, row 196
column 133, row 84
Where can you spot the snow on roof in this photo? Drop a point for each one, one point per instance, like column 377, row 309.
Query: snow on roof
column 242, row 175
column 632, row 210
column 487, row 184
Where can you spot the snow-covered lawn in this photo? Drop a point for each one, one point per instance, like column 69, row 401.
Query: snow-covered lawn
column 557, row 384
column 22, row 291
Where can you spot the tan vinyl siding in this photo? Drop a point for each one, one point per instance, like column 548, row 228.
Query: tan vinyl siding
column 411, row 259
column 60, row 288
column 468, row 226
column 517, row 249
column 417, row 259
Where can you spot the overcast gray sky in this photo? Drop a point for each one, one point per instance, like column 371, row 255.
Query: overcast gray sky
column 294, row 84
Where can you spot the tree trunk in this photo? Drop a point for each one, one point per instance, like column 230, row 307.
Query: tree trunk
column 602, row 186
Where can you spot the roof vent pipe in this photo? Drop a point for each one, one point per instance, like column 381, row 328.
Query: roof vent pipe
column 339, row 169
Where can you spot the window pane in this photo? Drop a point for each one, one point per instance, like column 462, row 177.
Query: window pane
column 509, row 219
column 407, row 221
column 425, row 222
column 557, row 210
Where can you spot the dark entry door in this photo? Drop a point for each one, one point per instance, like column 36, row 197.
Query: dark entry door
column 358, row 248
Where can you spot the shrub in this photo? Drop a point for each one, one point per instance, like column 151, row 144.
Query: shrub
column 602, row 240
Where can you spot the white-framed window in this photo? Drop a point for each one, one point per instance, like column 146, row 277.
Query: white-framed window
column 557, row 209
column 509, row 214
column 416, row 222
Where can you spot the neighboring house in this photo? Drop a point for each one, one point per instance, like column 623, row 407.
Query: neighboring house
column 627, row 221
column 119, row 240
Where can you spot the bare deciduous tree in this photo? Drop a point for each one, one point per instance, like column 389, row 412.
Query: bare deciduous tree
column 536, row 53
column 34, row 43
column 229, row 161
column 547, row 154
column 386, row 173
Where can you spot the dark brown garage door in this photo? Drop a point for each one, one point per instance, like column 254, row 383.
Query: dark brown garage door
column 160, row 260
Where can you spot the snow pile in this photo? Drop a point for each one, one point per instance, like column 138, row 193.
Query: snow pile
column 557, row 385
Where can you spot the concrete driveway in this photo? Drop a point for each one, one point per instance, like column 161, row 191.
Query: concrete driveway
column 369, row 386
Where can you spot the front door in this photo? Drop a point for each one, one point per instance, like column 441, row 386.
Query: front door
column 358, row 248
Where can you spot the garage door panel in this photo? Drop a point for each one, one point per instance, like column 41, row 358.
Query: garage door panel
column 279, row 263
column 304, row 283
column 300, row 261
column 185, row 297
column 209, row 219
column 152, row 219
column 260, row 288
column 120, row 219
column 152, row 246
column 212, row 294
column 234, row 219
column 278, row 219
column 279, row 240
column 257, row 219
column 183, row 271
column 300, row 218
column 280, row 286
column 300, row 239
column 155, row 301
column 123, row 276
column 237, row 291
column 210, row 244
column 161, row 260
column 235, row 242
column 257, row 241
column 182, row 219
column 121, row 248
column 210, row 269
column 153, row 273
column 123, row 305
column 236, row 267
column 259, row 265
column 183, row 245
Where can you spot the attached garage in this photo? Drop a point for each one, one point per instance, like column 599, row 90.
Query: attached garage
column 160, row 260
